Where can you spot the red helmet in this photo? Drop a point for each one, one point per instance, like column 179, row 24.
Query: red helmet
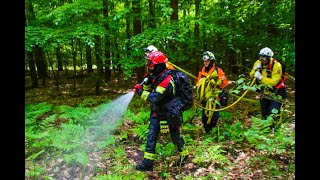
column 156, row 57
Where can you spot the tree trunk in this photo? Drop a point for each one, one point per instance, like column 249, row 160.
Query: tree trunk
column 140, row 71
column 107, row 42
column 33, row 71
column 41, row 64
column 196, row 37
column 152, row 19
column 98, row 53
column 59, row 59
column 173, row 18
column 74, row 54
column 89, row 59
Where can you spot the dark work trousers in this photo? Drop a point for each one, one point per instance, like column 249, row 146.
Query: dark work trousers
column 266, row 105
column 214, row 119
column 224, row 96
column 154, row 130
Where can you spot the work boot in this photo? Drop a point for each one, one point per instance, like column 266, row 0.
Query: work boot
column 146, row 165
column 183, row 161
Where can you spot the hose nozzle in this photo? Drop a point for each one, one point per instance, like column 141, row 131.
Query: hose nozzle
column 144, row 81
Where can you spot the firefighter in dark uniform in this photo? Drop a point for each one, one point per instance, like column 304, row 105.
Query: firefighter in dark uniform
column 164, row 106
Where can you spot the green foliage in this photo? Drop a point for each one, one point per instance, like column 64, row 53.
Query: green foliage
column 76, row 115
column 258, row 136
column 119, row 176
column 48, row 123
column 139, row 118
column 107, row 141
column 78, row 157
column 141, row 131
column 32, row 112
column 205, row 154
column 35, row 173
column 69, row 137
column 166, row 150
column 88, row 102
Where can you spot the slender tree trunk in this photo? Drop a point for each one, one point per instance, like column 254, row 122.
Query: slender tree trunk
column 128, row 32
column 98, row 54
column 89, row 59
column 59, row 59
column 33, row 71
column 196, row 36
column 152, row 10
column 81, row 62
column 74, row 54
column 41, row 64
column 173, row 18
column 66, row 65
column 107, row 42
column 55, row 75
column 140, row 71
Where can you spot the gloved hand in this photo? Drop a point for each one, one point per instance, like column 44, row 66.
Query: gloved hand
column 258, row 75
column 136, row 88
column 257, row 66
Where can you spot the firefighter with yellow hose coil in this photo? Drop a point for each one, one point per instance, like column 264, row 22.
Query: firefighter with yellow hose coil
column 210, row 89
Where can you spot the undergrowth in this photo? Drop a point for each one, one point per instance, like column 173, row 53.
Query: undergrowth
column 56, row 131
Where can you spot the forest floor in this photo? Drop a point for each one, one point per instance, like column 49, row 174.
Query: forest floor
column 243, row 111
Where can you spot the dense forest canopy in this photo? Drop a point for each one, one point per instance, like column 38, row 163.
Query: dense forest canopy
column 85, row 34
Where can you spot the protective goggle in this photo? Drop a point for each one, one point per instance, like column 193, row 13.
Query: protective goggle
column 146, row 54
column 149, row 63
column 263, row 58
column 205, row 58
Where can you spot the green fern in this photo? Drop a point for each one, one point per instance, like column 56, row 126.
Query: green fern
column 141, row 131
column 79, row 157
column 35, row 173
column 48, row 122
column 207, row 154
column 69, row 137
column 77, row 115
column 37, row 110
column 139, row 118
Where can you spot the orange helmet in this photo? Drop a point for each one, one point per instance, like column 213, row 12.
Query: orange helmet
column 156, row 57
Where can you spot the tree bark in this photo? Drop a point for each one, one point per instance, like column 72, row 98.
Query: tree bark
column 59, row 59
column 140, row 71
column 41, row 64
column 98, row 53
column 107, row 42
column 33, row 71
column 89, row 59
column 152, row 20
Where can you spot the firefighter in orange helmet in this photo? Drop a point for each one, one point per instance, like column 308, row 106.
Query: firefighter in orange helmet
column 209, row 69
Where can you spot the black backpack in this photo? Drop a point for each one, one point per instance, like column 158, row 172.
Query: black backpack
column 183, row 88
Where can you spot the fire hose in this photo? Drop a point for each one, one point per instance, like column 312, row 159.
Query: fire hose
column 201, row 95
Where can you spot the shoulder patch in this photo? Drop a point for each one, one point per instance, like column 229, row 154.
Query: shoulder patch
column 165, row 82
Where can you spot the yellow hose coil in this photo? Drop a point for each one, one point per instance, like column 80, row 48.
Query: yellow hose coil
column 202, row 92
